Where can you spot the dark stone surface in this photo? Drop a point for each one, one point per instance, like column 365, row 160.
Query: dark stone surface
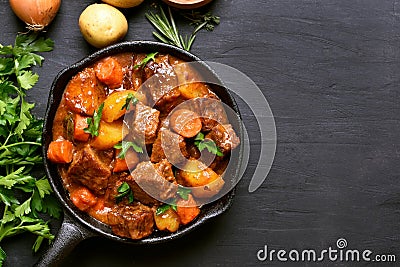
column 331, row 73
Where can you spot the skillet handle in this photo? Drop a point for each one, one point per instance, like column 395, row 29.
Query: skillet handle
column 66, row 240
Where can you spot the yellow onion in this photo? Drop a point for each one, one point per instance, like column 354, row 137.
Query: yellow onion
column 37, row 14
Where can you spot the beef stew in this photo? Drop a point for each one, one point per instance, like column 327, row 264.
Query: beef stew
column 110, row 176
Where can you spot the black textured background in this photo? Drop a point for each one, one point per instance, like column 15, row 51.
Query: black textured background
column 330, row 71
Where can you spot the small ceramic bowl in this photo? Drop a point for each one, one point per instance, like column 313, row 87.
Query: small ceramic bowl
column 187, row 4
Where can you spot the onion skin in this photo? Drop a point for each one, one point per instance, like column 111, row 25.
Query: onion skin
column 37, row 14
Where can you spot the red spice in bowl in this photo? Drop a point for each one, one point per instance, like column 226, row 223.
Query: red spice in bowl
column 187, row 4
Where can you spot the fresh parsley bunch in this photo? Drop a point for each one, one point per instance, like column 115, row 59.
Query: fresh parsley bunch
column 23, row 197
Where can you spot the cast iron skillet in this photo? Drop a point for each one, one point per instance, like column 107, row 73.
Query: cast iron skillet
column 77, row 225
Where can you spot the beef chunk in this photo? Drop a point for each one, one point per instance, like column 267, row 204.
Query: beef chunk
column 87, row 168
column 138, row 194
column 161, row 81
column 133, row 76
column 219, row 165
column 154, row 183
column 224, row 137
column 145, row 124
column 134, row 221
column 212, row 112
column 173, row 143
column 157, row 152
column 114, row 182
column 169, row 101
column 193, row 151
column 164, row 168
column 106, row 156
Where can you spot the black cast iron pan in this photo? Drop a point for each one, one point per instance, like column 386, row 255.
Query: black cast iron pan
column 77, row 225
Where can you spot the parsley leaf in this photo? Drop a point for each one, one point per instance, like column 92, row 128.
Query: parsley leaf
column 124, row 190
column 202, row 143
column 199, row 137
column 3, row 256
column 210, row 146
column 27, row 79
column 131, row 98
column 10, row 180
column 183, row 192
column 94, row 123
column 163, row 208
column 7, row 197
column 124, row 146
column 6, row 66
column 6, row 50
column 148, row 57
column 38, row 243
column 25, row 117
column 41, row 45
column 24, row 208
column 43, row 187
column 33, row 43
column 25, row 62
column 48, row 205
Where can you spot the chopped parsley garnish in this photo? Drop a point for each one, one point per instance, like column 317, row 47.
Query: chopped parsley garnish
column 148, row 57
column 130, row 99
column 183, row 192
column 94, row 123
column 124, row 146
column 163, row 208
column 124, row 190
column 208, row 144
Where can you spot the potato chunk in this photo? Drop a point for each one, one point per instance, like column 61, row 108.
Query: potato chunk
column 205, row 182
column 110, row 134
column 194, row 90
column 114, row 105
column 167, row 221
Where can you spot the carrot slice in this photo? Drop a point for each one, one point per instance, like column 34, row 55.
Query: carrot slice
column 60, row 151
column 82, row 198
column 129, row 162
column 120, row 165
column 80, row 123
column 185, row 122
column 186, row 211
column 109, row 71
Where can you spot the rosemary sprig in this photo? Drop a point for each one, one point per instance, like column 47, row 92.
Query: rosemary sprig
column 168, row 32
